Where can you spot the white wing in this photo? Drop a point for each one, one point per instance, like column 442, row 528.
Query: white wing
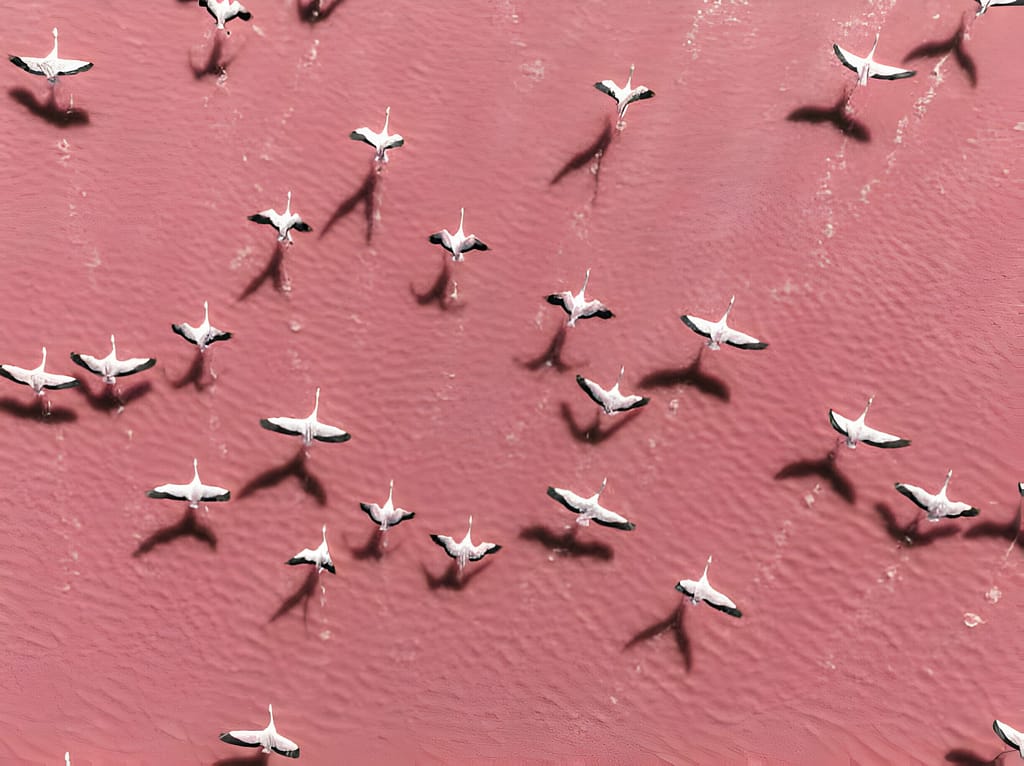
column 698, row 325
column 953, row 509
column 170, row 491
column 477, row 552
column 920, row 497
column 631, row 402
column 15, row 373
column 326, row 433
column 243, row 738
column 290, row 426
column 91, row 363
column 595, row 308
column 609, row 518
column 365, row 135
column 131, row 366
column 609, row 87
column 394, row 141
column 1008, row 734
column 51, row 380
column 594, row 391
column 741, row 340
column 569, row 499
column 72, row 66
column 450, row 546
column 210, row 493
column 186, row 331
column 284, row 746
column 884, row 72
column 839, row 423
column 850, row 60
column 305, row 556
column 689, row 587
column 639, row 93
column 880, row 438
column 720, row 601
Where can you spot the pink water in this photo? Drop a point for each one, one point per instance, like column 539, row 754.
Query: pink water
column 890, row 267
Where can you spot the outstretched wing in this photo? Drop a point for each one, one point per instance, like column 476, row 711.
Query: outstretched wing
column 169, row 492
column 839, row 423
column 290, row 426
column 631, row 402
column 698, row 325
column 569, row 499
column 54, row 382
column 365, row 135
column 326, row 433
column 283, row 745
column 594, row 391
column 472, row 243
column 186, row 331
column 919, row 496
column 718, row 600
column 1007, row 734
column 482, row 550
column 687, row 587
column 241, row 738
column 394, row 141
column 607, row 518
column 30, row 64
column 849, row 60
column 447, row 543
column 212, row 494
column 74, row 66
column 741, row 340
column 640, row 93
column 563, row 299
column 609, row 87
column 595, row 309
column 132, row 366
column 301, row 225
column 91, row 363
column 263, row 217
column 305, row 556
column 881, row 439
column 884, row 72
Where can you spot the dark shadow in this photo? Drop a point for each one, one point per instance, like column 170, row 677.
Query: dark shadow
column 373, row 548
column 256, row 759
column 300, row 595
column 690, row 375
column 567, row 543
column 216, row 63
column 195, row 374
column 550, row 356
column 315, row 11
column 297, row 467
column 188, row 525
column 451, row 579
column 592, row 154
column 908, row 534
column 113, row 397
column 675, row 623
column 836, row 115
column 274, row 270
column 365, row 195
column 595, row 433
column 970, row 758
column 1009, row 531
column 35, row 411
column 48, row 109
column 953, row 44
column 439, row 292
column 825, row 468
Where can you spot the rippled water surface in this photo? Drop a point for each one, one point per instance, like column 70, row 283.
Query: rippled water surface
column 878, row 253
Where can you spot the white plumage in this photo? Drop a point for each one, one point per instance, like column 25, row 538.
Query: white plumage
column 855, row 431
column 224, row 11
column 577, row 306
column 382, row 141
column 320, row 557
column 309, row 428
column 937, row 506
column 701, row 590
column 51, row 66
column 464, row 550
column 37, row 378
column 719, row 332
column 590, row 508
column 283, row 222
column 459, row 242
column 387, row 515
column 203, row 335
column 267, row 738
column 867, row 67
column 110, row 367
column 194, row 493
column 611, row 400
column 625, row 95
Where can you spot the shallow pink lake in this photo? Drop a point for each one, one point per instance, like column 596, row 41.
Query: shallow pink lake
column 881, row 260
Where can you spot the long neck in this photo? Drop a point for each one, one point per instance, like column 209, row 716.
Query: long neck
column 462, row 216
column 288, row 206
column 316, row 404
column 586, row 280
column 629, row 80
column 53, row 53
column 387, row 117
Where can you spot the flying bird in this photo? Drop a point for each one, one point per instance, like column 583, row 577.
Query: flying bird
column 936, row 506
column 37, row 378
column 203, row 335
column 984, row 7
column 1009, row 735
column 283, row 222
column 459, row 242
column 625, row 95
column 225, row 10
column 51, row 66
column 719, row 332
column 612, row 401
column 578, row 307
column 267, row 738
column 867, row 67
column 195, row 492
column 110, row 367
column 465, row 551
column 320, row 558
column 855, row 431
column 701, row 590
column 1020, row 488
column 380, row 141
column 387, row 515
column 309, row 428
column 589, row 508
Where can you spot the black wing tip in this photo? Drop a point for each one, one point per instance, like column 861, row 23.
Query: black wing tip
column 555, row 299
column 478, row 245
column 435, row 239
column 970, row 512
column 367, row 509
column 302, row 226
column 730, row 610
column 683, row 590
column 296, row 560
column 245, row 16
column 257, row 218
column 218, row 498
column 646, row 94
column 60, row 386
column 749, row 346
column 493, row 549
column 685, row 318
column 227, row 736
column 896, row 444
column 1003, row 737
column 287, row 753
column 604, row 314
column 897, row 76
column 835, row 423
column 330, row 568
column 334, row 439
column 627, row 526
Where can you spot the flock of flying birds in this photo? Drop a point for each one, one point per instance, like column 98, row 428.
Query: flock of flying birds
column 577, row 306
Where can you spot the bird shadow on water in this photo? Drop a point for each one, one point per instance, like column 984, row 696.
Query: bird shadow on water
column 35, row 411
column 825, row 468
column 373, row 548
column 296, row 466
column 690, row 375
column 1009, row 531
column 216, row 63
column 907, row 534
column 274, row 271
column 300, row 595
column 188, row 525
column 315, row 11
column 110, row 399
column 47, row 109
column 256, row 759
column 963, row 757
column 195, row 374
column 595, row 433
column 550, row 356
column 451, row 579
column 440, row 292
column 366, row 195
column 954, row 44
column 567, row 542
column 590, row 157
column 674, row 622
column 837, row 115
